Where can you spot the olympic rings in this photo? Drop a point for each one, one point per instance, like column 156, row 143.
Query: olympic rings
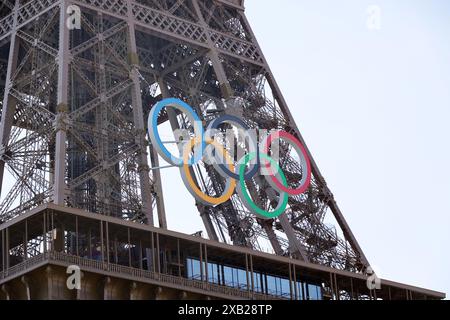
column 222, row 169
column 191, row 185
column 247, row 200
column 202, row 143
column 156, row 139
column 304, row 159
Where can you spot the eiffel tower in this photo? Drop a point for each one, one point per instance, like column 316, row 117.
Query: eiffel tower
column 81, row 183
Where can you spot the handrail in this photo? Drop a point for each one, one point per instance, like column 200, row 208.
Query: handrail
column 134, row 272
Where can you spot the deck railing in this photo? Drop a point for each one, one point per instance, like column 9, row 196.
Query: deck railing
column 138, row 274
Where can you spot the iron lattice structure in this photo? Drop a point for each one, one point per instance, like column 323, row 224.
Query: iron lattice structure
column 74, row 105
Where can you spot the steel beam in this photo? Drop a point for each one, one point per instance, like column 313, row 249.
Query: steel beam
column 9, row 106
column 64, row 59
column 144, row 169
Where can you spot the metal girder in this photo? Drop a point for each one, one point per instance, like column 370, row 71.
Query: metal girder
column 35, row 42
column 103, row 166
column 26, row 13
column 165, row 24
column 88, row 107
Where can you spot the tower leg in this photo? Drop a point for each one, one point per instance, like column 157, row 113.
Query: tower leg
column 9, row 104
column 138, row 113
column 59, row 187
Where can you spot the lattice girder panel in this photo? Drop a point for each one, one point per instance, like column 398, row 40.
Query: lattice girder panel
column 6, row 6
column 179, row 8
column 34, row 80
column 28, row 11
column 118, row 7
column 101, row 129
column 166, row 24
column 116, row 140
column 27, row 158
column 149, row 58
column 32, row 96
column 4, row 51
column 6, row 24
column 169, row 24
column 176, row 55
column 198, row 81
column 224, row 18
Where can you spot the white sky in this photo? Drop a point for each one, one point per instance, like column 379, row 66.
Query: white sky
column 374, row 109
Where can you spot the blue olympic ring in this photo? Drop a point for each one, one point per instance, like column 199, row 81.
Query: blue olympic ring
column 156, row 139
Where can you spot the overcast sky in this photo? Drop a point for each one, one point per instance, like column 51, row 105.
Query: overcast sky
column 374, row 108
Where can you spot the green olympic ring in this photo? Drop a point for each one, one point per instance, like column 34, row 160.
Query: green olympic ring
column 245, row 196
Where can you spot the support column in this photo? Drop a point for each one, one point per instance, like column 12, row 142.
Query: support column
column 44, row 231
column 201, row 263
column 138, row 113
column 107, row 241
column 157, row 186
column 129, row 247
column 352, row 293
column 225, row 87
column 295, row 246
column 338, row 296
column 101, row 242
column 291, row 289
column 206, row 265
column 158, row 253
column 64, row 59
column 6, row 291
column 252, row 274
column 332, row 287
column 25, row 241
column 49, row 274
column 179, row 258
column 25, row 282
column 296, row 293
column 9, row 106
column 3, row 251
column 77, row 246
column 6, row 249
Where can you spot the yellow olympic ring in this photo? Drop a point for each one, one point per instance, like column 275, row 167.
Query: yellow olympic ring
column 192, row 186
